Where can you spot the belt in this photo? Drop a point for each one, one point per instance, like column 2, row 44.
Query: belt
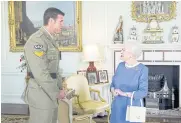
column 53, row 75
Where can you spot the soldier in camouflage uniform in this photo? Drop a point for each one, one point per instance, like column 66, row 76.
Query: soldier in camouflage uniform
column 42, row 56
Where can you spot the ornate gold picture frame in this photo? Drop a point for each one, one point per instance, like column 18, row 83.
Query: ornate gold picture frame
column 163, row 10
column 26, row 17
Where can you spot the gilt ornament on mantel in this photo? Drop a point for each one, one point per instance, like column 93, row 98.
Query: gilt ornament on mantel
column 153, row 32
column 118, row 34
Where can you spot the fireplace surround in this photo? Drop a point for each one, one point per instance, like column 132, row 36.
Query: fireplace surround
column 163, row 87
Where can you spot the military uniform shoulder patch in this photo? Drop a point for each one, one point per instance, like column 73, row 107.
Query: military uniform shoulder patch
column 38, row 46
column 39, row 53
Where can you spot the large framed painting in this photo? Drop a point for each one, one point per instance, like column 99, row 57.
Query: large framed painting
column 26, row 17
column 163, row 10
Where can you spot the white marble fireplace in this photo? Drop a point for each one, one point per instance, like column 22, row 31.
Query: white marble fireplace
column 154, row 54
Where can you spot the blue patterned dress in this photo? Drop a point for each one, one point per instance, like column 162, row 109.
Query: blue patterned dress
column 128, row 80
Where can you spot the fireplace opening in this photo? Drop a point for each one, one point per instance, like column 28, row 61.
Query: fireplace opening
column 163, row 87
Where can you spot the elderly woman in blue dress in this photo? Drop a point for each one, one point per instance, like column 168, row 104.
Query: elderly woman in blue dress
column 130, row 76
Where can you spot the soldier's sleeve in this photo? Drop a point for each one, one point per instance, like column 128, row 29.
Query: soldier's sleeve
column 35, row 53
column 59, row 74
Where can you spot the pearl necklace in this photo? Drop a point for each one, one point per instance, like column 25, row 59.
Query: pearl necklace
column 131, row 66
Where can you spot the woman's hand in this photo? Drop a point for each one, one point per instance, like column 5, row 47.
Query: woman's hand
column 113, row 92
column 121, row 93
column 129, row 94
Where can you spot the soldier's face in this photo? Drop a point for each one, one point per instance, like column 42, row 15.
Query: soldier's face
column 58, row 24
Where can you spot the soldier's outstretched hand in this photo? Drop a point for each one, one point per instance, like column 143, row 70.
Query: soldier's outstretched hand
column 61, row 94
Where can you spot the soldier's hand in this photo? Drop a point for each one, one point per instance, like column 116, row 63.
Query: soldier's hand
column 61, row 94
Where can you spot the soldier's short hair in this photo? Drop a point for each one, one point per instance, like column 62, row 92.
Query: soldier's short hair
column 51, row 13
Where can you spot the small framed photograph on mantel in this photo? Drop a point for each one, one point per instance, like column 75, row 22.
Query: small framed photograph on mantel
column 92, row 78
column 82, row 72
column 103, row 76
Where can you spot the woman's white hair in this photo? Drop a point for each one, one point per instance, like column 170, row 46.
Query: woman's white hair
column 134, row 48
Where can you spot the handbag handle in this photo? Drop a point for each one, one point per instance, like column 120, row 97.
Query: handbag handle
column 132, row 100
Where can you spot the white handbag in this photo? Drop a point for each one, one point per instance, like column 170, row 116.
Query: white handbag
column 135, row 113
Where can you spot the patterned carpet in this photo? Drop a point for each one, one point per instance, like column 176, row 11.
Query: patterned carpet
column 23, row 119
column 14, row 119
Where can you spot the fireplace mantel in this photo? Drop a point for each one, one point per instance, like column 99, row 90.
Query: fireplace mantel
column 169, row 46
column 153, row 53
